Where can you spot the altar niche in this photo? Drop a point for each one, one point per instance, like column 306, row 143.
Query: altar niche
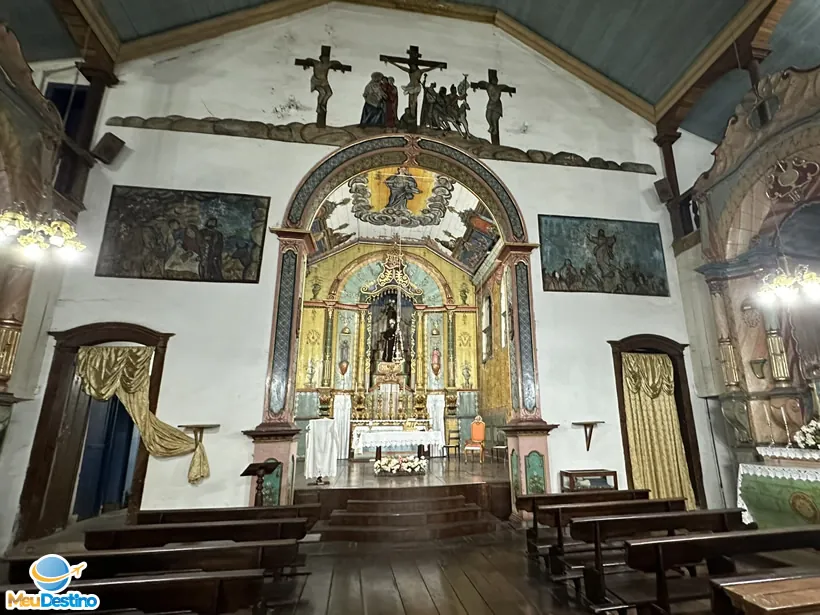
column 391, row 327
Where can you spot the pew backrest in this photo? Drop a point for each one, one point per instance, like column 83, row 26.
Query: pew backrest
column 267, row 554
column 233, row 513
column 561, row 515
column 595, row 529
column 530, row 502
column 653, row 554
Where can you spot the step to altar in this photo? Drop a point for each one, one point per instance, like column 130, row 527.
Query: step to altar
column 406, row 520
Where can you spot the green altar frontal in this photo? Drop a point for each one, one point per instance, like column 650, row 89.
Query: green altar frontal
column 779, row 496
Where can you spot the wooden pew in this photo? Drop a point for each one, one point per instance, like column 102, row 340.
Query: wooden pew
column 530, row 503
column 560, row 516
column 206, row 593
column 235, row 513
column 140, row 536
column 269, row 555
column 599, row 530
column 658, row 555
column 728, row 594
column 804, row 600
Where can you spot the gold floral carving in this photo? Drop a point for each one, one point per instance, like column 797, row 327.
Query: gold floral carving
column 393, row 274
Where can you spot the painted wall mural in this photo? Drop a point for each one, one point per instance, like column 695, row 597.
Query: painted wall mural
column 602, row 256
column 153, row 233
column 534, row 470
column 426, row 207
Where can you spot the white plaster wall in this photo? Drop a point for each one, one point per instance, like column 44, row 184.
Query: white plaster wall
column 576, row 373
column 216, row 362
column 693, row 156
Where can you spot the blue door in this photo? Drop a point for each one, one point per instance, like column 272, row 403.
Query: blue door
column 109, row 449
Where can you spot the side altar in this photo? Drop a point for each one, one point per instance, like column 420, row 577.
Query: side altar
column 784, row 490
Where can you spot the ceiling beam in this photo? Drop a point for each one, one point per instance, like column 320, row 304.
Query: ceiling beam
column 752, row 43
column 751, row 12
column 91, row 31
column 212, row 28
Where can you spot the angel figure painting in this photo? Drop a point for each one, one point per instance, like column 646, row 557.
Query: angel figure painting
column 602, row 256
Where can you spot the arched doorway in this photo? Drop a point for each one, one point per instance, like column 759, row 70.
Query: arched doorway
column 458, row 230
column 60, row 437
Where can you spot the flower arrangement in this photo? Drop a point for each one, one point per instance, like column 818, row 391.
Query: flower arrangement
column 399, row 465
column 809, row 435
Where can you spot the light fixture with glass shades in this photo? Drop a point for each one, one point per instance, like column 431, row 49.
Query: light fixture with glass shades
column 36, row 235
column 784, row 287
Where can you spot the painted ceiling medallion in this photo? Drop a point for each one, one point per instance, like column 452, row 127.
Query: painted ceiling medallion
column 398, row 199
column 421, row 206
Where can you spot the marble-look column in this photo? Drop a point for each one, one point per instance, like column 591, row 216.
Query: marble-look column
column 275, row 436
column 527, row 431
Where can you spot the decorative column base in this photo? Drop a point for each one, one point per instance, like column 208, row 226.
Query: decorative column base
column 529, row 460
column 276, row 441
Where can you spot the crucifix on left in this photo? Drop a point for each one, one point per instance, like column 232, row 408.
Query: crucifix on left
column 319, row 81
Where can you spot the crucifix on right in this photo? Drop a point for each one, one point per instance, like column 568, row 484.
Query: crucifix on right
column 494, row 108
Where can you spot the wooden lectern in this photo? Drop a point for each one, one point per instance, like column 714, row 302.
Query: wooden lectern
column 260, row 471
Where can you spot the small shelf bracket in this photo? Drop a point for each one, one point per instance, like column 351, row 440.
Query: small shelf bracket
column 589, row 427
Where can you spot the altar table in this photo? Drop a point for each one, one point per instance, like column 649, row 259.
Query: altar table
column 777, row 496
column 395, row 440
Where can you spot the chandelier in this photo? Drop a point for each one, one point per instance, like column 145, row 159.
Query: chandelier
column 786, row 288
column 38, row 234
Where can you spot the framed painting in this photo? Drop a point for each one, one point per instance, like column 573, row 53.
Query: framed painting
column 594, row 255
column 159, row 234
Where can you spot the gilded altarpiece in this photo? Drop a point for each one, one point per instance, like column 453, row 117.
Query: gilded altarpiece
column 496, row 400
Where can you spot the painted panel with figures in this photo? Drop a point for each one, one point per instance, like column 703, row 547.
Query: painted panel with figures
column 153, row 233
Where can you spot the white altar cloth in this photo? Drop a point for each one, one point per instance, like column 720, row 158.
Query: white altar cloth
column 322, row 449
column 395, row 439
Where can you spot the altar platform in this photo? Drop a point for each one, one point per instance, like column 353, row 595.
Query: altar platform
column 486, row 485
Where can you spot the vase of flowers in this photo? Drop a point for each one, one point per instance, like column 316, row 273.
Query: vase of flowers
column 400, row 466
column 808, row 437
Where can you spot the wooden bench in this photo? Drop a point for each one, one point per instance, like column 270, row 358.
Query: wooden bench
column 206, row 593
column 804, row 601
column 140, row 536
column 310, row 512
column 598, row 531
column 659, row 555
column 530, row 503
column 269, row 555
column 728, row 594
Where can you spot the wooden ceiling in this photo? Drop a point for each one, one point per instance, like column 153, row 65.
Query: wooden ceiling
column 652, row 56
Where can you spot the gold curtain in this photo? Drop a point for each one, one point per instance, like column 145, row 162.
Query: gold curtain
column 125, row 372
column 653, row 428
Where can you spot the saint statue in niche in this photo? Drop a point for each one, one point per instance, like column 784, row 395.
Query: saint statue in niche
column 389, row 341
column 403, row 188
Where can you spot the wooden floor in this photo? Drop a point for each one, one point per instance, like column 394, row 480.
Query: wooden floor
column 482, row 575
column 440, row 471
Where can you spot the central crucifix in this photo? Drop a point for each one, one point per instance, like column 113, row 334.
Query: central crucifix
column 415, row 67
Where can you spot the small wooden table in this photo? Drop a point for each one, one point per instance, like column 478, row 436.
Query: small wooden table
column 783, row 596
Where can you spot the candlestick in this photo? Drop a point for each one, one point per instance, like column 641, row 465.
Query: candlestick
column 769, row 423
column 786, row 426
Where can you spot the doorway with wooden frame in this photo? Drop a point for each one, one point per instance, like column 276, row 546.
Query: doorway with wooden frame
column 680, row 441
column 60, row 442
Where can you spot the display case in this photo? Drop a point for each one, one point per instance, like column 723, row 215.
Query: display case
column 581, row 480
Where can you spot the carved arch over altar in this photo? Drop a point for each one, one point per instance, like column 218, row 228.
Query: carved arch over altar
column 345, row 275
column 400, row 153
